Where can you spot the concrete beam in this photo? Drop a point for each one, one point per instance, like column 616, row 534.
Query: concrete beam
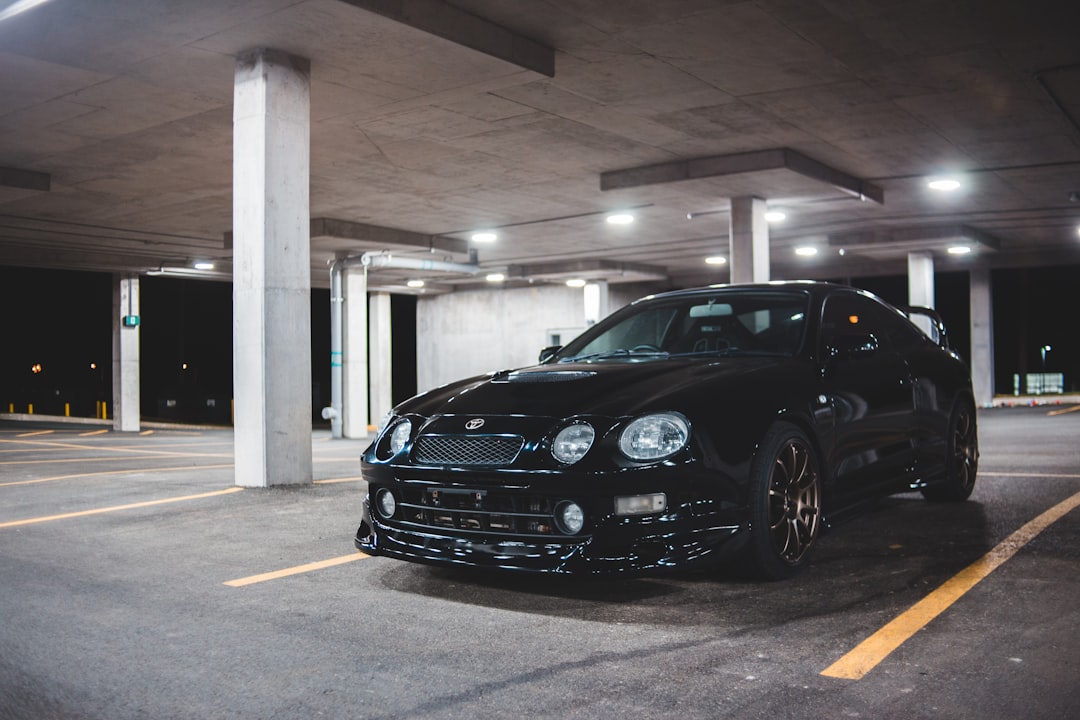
column 377, row 234
column 458, row 26
column 25, row 179
column 598, row 269
column 738, row 163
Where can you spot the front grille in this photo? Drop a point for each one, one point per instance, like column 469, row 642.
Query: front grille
column 469, row 450
column 484, row 512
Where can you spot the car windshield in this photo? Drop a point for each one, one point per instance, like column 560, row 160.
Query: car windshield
column 748, row 322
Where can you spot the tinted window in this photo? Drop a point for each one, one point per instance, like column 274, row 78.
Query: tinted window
column 851, row 314
column 747, row 322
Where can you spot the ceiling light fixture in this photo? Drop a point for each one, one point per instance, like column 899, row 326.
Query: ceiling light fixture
column 716, row 260
column 620, row 219
column 575, row 283
column 495, row 277
column 203, row 265
column 959, row 250
column 484, row 237
column 944, row 184
column 806, row 251
column 775, row 216
column 415, row 283
column 19, row 7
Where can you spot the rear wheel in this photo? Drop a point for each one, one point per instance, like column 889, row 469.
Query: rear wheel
column 785, row 504
column 962, row 463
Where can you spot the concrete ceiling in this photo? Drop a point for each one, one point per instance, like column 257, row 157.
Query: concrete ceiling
column 116, row 131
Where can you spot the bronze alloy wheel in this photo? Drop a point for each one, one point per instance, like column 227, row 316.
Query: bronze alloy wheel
column 794, row 501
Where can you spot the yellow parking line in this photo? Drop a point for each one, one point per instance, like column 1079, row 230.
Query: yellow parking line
column 35, row 481
column 252, row 579
column 144, row 433
column 36, row 432
column 866, row 656
column 93, row 432
column 1062, row 411
column 115, row 508
column 330, row 481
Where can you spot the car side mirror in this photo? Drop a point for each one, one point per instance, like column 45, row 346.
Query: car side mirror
column 549, row 352
column 854, row 345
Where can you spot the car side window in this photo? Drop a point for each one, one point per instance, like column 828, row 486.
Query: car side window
column 902, row 332
column 847, row 315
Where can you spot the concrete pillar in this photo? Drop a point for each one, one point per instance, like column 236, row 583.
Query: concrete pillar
column 125, row 356
column 354, row 358
column 921, row 279
column 379, row 355
column 982, row 336
column 271, row 269
column 921, row 286
column 749, row 261
column 596, row 302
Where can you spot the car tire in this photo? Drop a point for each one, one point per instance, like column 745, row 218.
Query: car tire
column 785, row 504
column 962, row 460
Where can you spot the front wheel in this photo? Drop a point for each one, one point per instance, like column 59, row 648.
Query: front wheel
column 785, row 504
column 962, row 463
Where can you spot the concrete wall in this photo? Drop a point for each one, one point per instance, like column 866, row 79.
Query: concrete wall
column 468, row 333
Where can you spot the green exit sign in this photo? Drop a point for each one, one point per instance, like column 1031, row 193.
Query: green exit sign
column 131, row 321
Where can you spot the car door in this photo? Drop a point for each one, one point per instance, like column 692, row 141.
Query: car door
column 868, row 386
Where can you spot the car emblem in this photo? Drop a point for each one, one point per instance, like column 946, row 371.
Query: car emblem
column 474, row 424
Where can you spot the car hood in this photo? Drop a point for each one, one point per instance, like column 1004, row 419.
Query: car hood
column 612, row 388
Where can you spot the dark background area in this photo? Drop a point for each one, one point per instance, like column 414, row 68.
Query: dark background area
column 63, row 321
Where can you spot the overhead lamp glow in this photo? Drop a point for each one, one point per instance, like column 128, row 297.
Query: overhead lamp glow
column 484, row 237
column 806, row 251
column 944, row 184
column 775, row 216
column 415, row 283
column 716, row 260
column 19, row 7
column 495, row 277
column 620, row 219
column 575, row 283
column 959, row 250
column 203, row 265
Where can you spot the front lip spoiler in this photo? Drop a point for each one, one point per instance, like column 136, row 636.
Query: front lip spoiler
column 648, row 553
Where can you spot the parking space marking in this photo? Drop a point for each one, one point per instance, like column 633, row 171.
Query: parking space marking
column 34, row 433
column 297, row 570
column 331, row 481
column 866, row 656
column 1062, row 411
column 116, row 508
column 93, row 432
column 131, row 471
column 104, row 448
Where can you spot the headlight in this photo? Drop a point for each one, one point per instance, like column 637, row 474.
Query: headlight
column 399, row 436
column 654, row 437
column 572, row 442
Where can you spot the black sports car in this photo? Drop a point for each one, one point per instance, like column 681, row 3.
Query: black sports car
column 688, row 427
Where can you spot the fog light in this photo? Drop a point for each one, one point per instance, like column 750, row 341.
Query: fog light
column 386, row 503
column 640, row 504
column 570, row 517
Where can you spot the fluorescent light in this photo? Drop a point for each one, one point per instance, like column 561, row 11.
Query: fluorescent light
column 716, row 260
column 575, row 283
column 18, row 7
column 959, row 250
column 944, row 184
column 484, row 237
column 203, row 265
column 774, row 216
column 806, row 251
column 620, row 219
column 495, row 277
column 415, row 283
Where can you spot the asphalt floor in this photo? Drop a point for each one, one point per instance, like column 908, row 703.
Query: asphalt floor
column 136, row 581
